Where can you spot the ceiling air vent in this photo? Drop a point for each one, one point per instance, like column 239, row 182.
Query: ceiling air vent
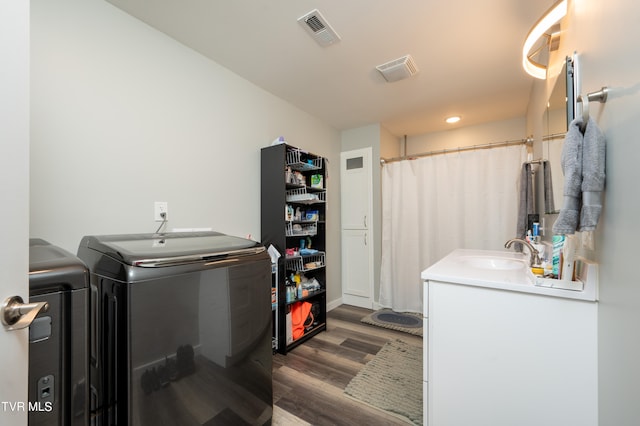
column 319, row 28
column 398, row 69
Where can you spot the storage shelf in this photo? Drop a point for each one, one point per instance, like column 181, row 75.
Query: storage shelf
column 293, row 222
column 295, row 161
column 307, row 335
column 305, row 263
column 293, row 179
column 311, row 295
column 301, row 228
column 302, row 186
column 302, row 195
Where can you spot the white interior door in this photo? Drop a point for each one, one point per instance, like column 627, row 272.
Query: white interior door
column 14, row 199
column 357, row 238
column 356, row 271
column 355, row 181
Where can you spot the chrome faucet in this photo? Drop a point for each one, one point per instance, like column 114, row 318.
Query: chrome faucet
column 535, row 255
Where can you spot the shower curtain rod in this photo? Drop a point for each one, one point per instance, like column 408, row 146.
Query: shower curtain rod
column 527, row 141
column 546, row 138
column 553, row 136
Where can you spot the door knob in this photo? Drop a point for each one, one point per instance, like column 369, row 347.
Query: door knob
column 16, row 315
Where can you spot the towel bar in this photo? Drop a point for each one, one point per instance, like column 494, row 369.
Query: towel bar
column 599, row 96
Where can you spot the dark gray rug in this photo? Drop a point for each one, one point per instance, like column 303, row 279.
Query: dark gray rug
column 407, row 322
column 392, row 381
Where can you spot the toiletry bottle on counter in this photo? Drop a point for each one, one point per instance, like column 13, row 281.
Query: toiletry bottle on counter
column 536, row 232
column 558, row 242
column 545, row 252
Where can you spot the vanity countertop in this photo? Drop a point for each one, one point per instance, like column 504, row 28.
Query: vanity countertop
column 503, row 270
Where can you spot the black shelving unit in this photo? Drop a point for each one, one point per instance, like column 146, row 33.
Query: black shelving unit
column 293, row 212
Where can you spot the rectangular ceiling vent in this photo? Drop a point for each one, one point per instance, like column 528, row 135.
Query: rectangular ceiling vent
column 398, row 69
column 319, row 28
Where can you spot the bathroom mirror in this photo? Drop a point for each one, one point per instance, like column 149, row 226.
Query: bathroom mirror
column 559, row 113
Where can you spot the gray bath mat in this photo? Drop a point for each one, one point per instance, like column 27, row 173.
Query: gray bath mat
column 392, row 381
column 407, row 322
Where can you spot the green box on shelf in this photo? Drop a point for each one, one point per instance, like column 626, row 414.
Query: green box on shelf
column 317, row 181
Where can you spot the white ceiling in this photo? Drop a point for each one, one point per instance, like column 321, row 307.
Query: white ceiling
column 468, row 53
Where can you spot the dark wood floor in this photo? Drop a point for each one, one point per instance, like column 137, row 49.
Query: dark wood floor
column 308, row 382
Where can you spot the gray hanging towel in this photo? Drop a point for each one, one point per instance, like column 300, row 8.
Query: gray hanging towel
column 571, row 161
column 593, row 158
column 548, row 188
column 525, row 204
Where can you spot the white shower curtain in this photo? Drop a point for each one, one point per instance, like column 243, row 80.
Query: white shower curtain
column 433, row 205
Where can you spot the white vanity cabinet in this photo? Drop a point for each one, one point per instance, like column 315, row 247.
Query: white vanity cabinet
column 498, row 357
column 499, row 353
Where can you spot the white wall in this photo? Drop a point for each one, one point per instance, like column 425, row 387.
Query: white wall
column 480, row 134
column 605, row 35
column 389, row 144
column 122, row 116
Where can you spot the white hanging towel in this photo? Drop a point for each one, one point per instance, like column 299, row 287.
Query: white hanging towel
column 593, row 159
column 583, row 166
column 571, row 161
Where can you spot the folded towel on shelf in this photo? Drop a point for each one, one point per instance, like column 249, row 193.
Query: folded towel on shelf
column 593, row 157
column 525, row 204
column 549, row 204
column 571, row 162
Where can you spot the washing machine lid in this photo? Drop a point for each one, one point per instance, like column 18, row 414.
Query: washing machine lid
column 52, row 268
column 171, row 249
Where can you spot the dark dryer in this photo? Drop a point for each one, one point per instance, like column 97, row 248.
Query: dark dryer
column 180, row 329
column 58, row 344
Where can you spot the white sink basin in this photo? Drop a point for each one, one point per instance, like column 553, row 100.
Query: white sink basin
column 493, row 263
column 503, row 270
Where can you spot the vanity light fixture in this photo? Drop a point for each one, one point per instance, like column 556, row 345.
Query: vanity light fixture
column 453, row 119
column 548, row 20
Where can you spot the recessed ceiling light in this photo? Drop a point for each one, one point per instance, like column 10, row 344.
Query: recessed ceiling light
column 453, row 119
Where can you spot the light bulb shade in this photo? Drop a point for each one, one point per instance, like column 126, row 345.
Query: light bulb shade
column 553, row 15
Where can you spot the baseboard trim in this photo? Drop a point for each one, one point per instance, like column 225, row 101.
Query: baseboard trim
column 334, row 304
column 361, row 302
column 337, row 302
